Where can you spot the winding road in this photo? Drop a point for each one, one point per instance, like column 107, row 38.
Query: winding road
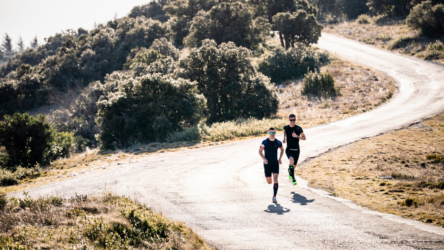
column 221, row 192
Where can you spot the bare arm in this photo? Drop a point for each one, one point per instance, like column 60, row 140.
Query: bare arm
column 282, row 153
column 285, row 137
column 262, row 155
column 302, row 136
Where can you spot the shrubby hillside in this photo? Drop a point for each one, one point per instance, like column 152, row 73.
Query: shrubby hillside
column 167, row 66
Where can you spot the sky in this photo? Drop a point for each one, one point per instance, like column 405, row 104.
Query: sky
column 44, row 18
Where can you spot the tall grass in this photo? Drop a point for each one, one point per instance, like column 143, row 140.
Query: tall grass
column 220, row 131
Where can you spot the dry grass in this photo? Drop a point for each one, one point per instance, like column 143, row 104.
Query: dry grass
column 83, row 222
column 393, row 35
column 361, row 90
column 400, row 172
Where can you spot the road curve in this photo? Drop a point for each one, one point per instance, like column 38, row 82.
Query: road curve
column 221, row 191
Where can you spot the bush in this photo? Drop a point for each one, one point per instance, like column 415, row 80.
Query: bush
column 146, row 109
column 401, row 42
column 231, row 84
column 11, row 177
column 164, row 47
column 320, row 84
column 427, row 18
column 26, row 139
column 438, row 46
column 410, row 202
column 281, row 65
column 189, row 134
column 3, row 200
column 363, row 19
column 380, row 19
column 61, row 145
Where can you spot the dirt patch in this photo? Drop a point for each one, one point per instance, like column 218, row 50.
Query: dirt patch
column 401, row 172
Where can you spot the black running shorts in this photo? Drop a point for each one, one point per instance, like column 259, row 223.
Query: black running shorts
column 293, row 152
column 271, row 168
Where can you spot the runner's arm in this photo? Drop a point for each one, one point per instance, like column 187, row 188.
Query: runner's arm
column 262, row 155
column 285, row 137
column 302, row 136
column 282, row 153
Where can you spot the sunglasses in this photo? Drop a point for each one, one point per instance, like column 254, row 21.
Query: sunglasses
column 292, row 120
column 272, row 133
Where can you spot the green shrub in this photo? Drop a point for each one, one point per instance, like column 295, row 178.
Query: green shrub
column 410, row 202
column 435, row 158
column 230, row 83
column 26, row 139
column 61, row 145
column 401, row 41
column 11, row 177
column 320, row 84
column 3, row 200
column 427, row 18
column 189, row 134
column 380, row 19
column 281, row 65
column 146, row 109
column 363, row 19
column 437, row 46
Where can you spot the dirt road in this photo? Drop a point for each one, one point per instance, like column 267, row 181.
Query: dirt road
column 222, row 193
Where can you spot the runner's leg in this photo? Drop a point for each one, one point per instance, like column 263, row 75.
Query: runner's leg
column 276, row 184
column 291, row 168
column 267, row 170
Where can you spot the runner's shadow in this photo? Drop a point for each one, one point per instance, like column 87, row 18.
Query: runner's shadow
column 277, row 209
column 297, row 198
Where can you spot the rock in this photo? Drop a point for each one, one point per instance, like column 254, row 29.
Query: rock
column 120, row 163
column 74, row 173
column 16, row 209
column 423, row 164
column 74, row 166
column 100, row 158
column 58, row 177
column 386, row 177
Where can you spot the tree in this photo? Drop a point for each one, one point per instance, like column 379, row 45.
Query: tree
column 34, row 43
column 427, row 18
column 20, row 44
column 26, row 139
column 231, row 21
column 230, row 83
column 390, row 7
column 352, row 8
column 7, row 43
column 182, row 13
column 164, row 47
column 296, row 27
column 269, row 8
column 147, row 109
column 153, row 9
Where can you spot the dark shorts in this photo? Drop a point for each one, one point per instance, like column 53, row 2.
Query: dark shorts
column 271, row 168
column 293, row 152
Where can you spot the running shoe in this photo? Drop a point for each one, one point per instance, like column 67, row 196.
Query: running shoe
column 295, row 182
column 274, row 199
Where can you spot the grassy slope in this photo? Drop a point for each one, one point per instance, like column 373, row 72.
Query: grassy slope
column 392, row 35
column 413, row 159
column 83, row 222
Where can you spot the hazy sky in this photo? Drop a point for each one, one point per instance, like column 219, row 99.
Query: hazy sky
column 43, row 18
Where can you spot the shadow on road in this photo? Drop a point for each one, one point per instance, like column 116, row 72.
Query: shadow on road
column 277, row 209
column 297, row 198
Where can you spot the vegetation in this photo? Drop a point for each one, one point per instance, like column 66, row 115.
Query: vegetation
column 433, row 25
column 232, row 86
column 160, row 104
column 320, row 84
column 82, row 222
column 281, row 64
column 363, row 19
column 31, row 140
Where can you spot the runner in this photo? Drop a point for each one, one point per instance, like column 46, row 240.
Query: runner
column 292, row 134
column 271, row 162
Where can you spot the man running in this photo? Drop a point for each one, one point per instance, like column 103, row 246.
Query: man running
column 271, row 162
column 292, row 134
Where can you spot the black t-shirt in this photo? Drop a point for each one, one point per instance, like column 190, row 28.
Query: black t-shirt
column 271, row 150
column 291, row 141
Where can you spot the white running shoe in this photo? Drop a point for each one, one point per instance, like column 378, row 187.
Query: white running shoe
column 274, row 199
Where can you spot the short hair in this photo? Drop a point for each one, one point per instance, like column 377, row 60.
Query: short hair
column 292, row 115
column 271, row 129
